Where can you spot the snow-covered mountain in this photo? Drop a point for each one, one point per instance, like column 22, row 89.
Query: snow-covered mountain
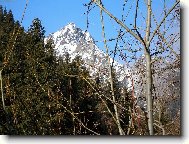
column 71, row 39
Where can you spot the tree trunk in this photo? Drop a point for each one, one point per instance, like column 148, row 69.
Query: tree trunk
column 149, row 71
column 2, row 96
column 117, row 119
column 149, row 92
column 121, row 132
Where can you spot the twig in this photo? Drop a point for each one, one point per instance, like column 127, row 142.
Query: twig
column 2, row 96
column 155, row 31
column 119, row 22
column 121, row 132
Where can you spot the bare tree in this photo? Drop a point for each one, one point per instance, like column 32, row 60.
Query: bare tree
column 147, row 36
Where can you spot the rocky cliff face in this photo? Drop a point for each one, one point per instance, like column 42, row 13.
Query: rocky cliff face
column 71, row 39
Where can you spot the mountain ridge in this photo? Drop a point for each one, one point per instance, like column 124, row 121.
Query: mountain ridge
column 73, row 40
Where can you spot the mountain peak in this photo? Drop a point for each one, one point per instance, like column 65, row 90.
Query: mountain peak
column 70, row 26
column 71, row 39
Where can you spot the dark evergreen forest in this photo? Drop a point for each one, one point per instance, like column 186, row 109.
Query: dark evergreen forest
column 43, row 94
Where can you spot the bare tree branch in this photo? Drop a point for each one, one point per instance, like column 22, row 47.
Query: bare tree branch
column 136, row 13
column 119, row 22
column 2, row 96
column 121, row 132
column 162, row 21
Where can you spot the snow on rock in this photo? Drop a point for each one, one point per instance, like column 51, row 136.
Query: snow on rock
column 71, row 39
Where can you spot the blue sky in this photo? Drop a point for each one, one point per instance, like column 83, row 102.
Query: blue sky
column 55, row 14
column 58, row 13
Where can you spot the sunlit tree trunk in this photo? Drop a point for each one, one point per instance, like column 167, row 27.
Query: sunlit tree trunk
column 149, row 71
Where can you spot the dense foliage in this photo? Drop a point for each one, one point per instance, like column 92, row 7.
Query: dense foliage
column 49, row 95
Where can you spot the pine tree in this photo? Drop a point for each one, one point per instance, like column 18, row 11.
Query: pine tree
column 46, row 94
column 6, row 32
